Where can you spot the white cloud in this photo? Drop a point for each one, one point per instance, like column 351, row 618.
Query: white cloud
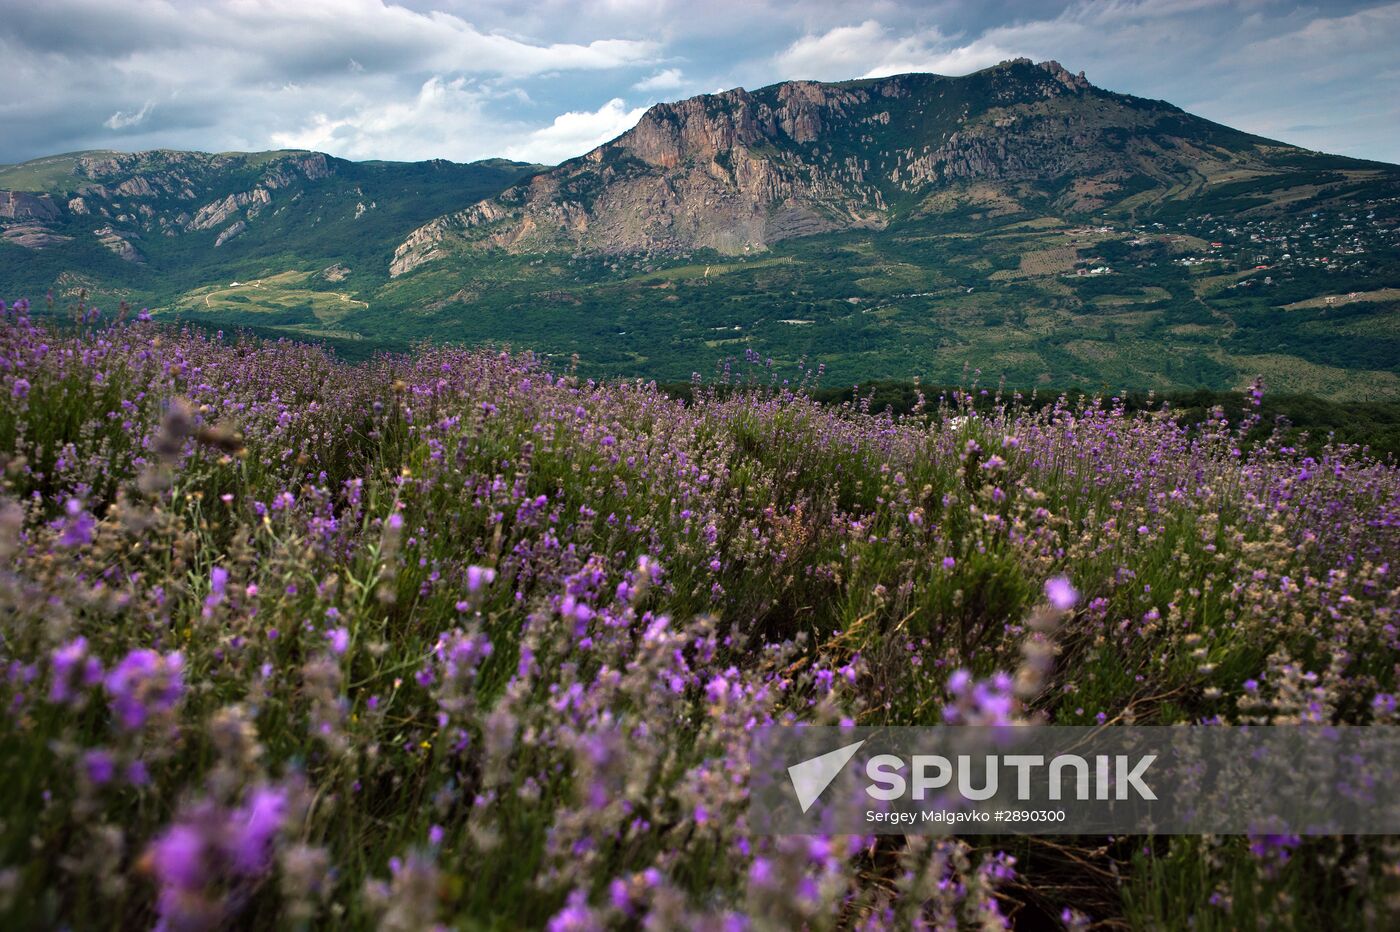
column 667, row 80
column 359, row 78
column 450, row 119
column 916, row 54
column 122, row 119
column 871, row 50
column 845, row 50
column 445, row 116
column 575, row 133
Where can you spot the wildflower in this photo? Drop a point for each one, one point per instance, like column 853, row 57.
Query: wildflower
column 576, row 916
column 99, row 766
column 218, row 585
column 478, row 576
column 1061, row 593
column 78, row 528
column 252, row 827
column 1275, row 847
column 980, row 702
column 178, row 859
column 71, row 667
column 144, row 684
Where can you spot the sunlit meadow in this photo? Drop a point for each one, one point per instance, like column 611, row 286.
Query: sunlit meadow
column 462, row 640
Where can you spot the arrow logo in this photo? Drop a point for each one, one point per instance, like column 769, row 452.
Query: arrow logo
column 811, row 777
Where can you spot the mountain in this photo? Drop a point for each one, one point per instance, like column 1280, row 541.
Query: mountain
column 1018, row 221
column 151, row 224
column 741, row 170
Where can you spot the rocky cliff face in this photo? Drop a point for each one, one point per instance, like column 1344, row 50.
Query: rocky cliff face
column 718, row 171
column 740, row 170
column 16, row 205
column 158, row 193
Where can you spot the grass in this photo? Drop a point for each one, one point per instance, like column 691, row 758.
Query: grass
column 281, row 296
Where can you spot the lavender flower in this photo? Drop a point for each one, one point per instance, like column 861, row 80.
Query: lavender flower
column 145, row 684
column 478, row 576
column 1061, row 594
column 78, row 528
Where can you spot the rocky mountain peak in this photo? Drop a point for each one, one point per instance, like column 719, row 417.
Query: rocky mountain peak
column 738, row 170
column 1062, row 74
column 1051, row 67
column 709, row 125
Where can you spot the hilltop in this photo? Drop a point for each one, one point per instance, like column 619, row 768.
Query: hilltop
column 740, row 170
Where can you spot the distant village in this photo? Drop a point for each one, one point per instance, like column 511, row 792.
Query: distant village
column 1269, row 248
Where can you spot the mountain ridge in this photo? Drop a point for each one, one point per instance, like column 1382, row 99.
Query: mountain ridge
column 159, row 208
column 739, row 170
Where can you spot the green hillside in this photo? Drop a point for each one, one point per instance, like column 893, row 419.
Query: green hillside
column 938, row 297
column 321, row 214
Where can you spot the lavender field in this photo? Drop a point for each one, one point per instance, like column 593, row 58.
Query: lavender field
column 461, row 640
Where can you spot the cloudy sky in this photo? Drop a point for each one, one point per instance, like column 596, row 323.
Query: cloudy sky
column 544, row 80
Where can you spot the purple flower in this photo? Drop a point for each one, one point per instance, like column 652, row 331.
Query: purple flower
column 575, row 916
column 1277, row 847
column 178, row 858
column 618, row 895
column 339, row 638
column 478, row 576
column 761, row 872
column 252, row 828
column 143, row 684
column 1061, row 594
column 20, row 389
column 980, row 702
column 459, row 654
column 77, row 529
column 66, row 662
column 959, row 681
column 218, row 584
column 99, row 766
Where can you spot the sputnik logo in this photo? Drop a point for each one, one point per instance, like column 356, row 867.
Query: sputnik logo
column 811, row 777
